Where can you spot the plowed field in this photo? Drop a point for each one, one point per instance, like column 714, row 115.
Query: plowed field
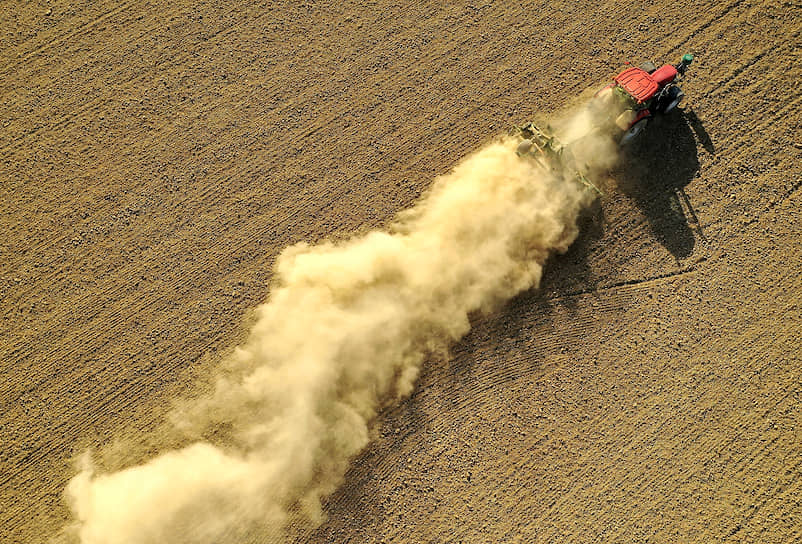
column 156, row 157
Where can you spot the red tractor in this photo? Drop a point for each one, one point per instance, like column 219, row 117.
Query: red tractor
column 641, row 93
column 621, row 109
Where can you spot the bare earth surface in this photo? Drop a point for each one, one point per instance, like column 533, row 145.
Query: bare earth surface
column 156, row 157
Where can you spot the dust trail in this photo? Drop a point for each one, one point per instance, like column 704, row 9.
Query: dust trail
column 344, row 332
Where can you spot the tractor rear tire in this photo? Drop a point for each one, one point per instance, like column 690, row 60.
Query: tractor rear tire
column 632, row 133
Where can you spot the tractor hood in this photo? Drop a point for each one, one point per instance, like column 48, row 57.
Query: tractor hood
column 664, row 75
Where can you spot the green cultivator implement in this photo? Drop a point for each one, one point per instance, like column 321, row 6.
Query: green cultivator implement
column 543, row 146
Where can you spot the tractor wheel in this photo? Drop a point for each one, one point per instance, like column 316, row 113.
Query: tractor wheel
column 633, row 132
column 673, row 99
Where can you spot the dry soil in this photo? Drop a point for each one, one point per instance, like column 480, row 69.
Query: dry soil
column 155, row 157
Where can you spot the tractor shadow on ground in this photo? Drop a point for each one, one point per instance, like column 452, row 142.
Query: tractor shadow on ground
column 699, row 129
column 654, row 172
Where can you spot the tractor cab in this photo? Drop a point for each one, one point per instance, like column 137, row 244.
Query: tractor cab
column 642, row 85
column 638, row 84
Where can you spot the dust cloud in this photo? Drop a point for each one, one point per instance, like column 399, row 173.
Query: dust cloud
column 344, row 333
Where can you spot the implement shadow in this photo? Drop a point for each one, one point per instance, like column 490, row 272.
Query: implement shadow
column 654, row 172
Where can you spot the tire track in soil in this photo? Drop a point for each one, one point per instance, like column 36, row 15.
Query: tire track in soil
column 67, row 37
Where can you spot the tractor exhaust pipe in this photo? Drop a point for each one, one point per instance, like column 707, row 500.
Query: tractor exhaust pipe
column 684, row 62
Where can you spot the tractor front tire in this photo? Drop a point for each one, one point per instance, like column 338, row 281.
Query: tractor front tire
column 672, row 99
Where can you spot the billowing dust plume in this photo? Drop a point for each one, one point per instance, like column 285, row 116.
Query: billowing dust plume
column 345, row 331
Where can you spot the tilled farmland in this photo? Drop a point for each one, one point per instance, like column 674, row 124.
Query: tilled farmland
column 156, row 160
